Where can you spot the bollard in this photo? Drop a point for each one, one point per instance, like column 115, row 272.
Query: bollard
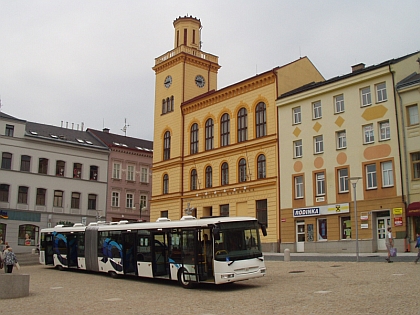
column 287, row 254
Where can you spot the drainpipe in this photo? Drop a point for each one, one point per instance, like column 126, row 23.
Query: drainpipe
column 278, row 161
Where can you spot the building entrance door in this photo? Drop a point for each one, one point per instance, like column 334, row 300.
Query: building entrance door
column 382, row 224
column 300, row 236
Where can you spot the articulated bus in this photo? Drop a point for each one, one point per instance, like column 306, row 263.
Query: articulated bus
column 191, row 251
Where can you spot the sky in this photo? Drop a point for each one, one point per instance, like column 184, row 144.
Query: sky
column 90, row 62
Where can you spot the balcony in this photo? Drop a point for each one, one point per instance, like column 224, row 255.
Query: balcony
column 187, row 50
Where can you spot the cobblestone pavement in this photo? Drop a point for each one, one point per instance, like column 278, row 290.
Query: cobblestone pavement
column 294, row 287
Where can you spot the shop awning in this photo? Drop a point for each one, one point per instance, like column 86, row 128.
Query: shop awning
column 413, row 209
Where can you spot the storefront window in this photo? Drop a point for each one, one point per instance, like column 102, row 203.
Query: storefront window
column 322, row 229
column 2, row 233
column 345, row 228
column 28, row 235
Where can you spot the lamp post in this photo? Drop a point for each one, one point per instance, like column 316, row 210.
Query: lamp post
column 354, row 181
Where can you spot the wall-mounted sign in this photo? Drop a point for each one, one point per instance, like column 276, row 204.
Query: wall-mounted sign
column 397, row 211
column 322, row 210
column 364, row 225
column 398, row 221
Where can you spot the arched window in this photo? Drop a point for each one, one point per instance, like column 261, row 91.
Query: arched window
column 261, row 166
column 242, row 125
column 209, row 177
column 167, row 146
column 165, row 184
column 193, row 183
column 194, row 139
column 224, row 130
column 163, row 106
column 209, row 134
column 242, row 170
column 172, row 103
column 260, row 120
column 168, row 105
column 225, row 174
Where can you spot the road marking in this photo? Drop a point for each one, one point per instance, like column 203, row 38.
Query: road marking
column 322, row 292
column 55, row 288
column 113, row 299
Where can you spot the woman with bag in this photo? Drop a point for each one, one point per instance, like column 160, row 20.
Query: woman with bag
column 9, row 260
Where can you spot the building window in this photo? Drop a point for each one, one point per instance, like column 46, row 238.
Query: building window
column 299, row 192
column 194, row 139
column 130, row 173
column 23, row 195
column 28, row 235
column 381, row 92
column 164, row 214
column 387, row 174
column 261, row 173
column 415, row 162
column 413, row 115
column 116, row 170
column 164, row 106
column 261, row 207
column 345, row 228
column 4, row 192
column 343, row 183
column 224, row 210
column 320, row 183
column 209, row 134
column 339, row 104
column 93, row 173
column 6, row 161
column 25, row 163
column 43, row 166
column 40, row 196
column 143, row 202
column 115, row 199
column 167, row 146
column 58, row 199
column 225, row 130
column 242, row 170
column 371, row 176
column 260, row 120
column 242, row 125
column 317, row 111
column 225, row 174
column 209, row 177
column 368, row 134
column 297, row 115
column 366, row 96
column 384, row 131
column 319, row 144
column 341, row 139
column 9, row 130
column 60, row 168
column 92, row 201
column 77, row 170
column 144, row 175
column 129, row 198
column 75, row 200
column 165, row 184
column 193, row 183
column 297, row 148
column 322, row 229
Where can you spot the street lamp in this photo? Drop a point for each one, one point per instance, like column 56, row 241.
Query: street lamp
column 141, row 207
column 354, row 181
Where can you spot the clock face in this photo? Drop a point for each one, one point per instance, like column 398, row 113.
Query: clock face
column 168, row 81
column 199, row 80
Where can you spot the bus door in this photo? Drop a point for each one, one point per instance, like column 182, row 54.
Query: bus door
column 160, row 262
column 72, row 239
column 193, row 259
column 129, row 253
column 47, row 248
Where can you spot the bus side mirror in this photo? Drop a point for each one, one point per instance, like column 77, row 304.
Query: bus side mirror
column 264, row 230
column 216, row 234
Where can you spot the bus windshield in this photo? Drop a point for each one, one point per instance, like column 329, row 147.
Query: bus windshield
column 238, row 241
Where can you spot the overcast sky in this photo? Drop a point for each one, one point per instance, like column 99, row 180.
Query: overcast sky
column 91, row 61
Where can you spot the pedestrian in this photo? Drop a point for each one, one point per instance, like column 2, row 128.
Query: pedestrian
column 3, row 253
column 9, row 260
column 389, row 242
column 418, row 247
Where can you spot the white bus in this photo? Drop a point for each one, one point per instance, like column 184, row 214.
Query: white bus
column 210, row 250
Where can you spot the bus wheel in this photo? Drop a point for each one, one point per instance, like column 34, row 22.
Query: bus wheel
column 113, row 274
column 183, row 279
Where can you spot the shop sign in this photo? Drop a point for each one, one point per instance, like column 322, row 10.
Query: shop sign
column 398, row 221
column 364, row 217
column 304, row 212
column 397, row 211
column 3, row 214
column 364, row 225
column 322, row 210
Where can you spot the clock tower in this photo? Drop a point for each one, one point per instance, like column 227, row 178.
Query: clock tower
column 182, row 74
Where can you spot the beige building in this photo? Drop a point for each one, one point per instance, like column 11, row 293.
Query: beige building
column 340, row 129
column 216, row 151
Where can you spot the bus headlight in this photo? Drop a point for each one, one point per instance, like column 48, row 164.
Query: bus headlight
column 227, row 275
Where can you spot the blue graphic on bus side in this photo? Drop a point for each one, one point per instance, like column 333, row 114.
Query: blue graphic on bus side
column 57, row 238
column 107, row 251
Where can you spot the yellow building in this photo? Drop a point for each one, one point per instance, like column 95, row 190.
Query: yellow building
column 216, row 151
column 332, row 131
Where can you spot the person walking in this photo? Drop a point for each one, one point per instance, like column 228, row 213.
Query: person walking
column 3, row 253
column 418, row 247
column 9, row 260
column 389, row 242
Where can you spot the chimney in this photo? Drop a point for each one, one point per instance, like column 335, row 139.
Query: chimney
column 106, row 130
column 357, row 67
